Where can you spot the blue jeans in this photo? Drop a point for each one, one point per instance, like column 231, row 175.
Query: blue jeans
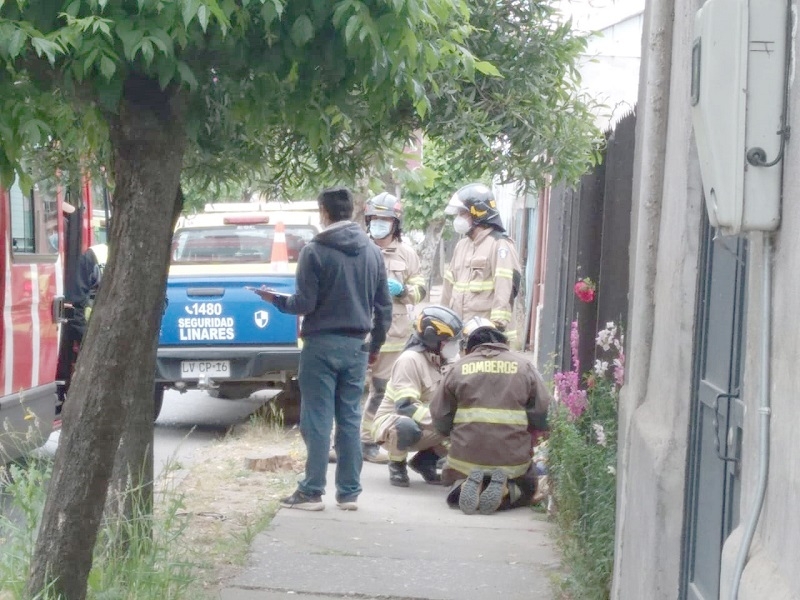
column 331, row 379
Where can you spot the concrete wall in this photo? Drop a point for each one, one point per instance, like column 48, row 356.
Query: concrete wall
column 665, row 234
column 654, row 407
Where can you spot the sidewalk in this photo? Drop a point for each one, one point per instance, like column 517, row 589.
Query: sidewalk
column 401, row 544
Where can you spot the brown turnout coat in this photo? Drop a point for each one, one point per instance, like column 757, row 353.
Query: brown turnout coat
column 487, row 404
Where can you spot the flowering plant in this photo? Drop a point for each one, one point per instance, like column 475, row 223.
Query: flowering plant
column 582, row 461
column 585, row 289
column 611, row 341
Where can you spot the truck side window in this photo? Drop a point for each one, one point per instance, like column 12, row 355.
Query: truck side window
column 235, row 244
column 34, row 220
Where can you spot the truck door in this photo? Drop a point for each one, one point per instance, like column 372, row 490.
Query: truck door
column 31, row 285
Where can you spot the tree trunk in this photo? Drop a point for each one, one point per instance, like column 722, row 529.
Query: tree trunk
column 129, row 506
column 115, row 368
column 428, row 253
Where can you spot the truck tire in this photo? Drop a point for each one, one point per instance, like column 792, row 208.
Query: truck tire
column 158, row 400
column 288, row 400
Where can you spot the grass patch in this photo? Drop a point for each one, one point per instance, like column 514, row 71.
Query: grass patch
column 204, row 522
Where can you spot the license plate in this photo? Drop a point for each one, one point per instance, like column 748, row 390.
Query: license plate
column 195, row 369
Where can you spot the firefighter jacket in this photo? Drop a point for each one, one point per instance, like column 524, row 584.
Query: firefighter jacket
column 415, row 377
column 488, row 403
column 402, row 264
column 90, row 274
column 483, row 279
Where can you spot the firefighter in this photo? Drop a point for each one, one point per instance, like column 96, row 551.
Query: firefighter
column 490, row 404
column 384, row 219
column 403, row 422
column 484, row 275
column 87, row 282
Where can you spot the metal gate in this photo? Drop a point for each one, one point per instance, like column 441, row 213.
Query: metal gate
column 715, row 437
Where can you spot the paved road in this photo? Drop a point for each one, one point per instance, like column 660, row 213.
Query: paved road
column 194, row 419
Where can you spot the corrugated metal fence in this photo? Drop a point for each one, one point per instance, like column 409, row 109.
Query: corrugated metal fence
column 588, row 235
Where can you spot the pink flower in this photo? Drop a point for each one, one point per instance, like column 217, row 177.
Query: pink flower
column 567, row 383
column 619, row 369
column 585, row 290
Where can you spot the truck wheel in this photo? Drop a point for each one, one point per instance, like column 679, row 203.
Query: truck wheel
column 158, row 400
column 288, row 400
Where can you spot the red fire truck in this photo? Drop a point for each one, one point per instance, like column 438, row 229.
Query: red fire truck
column 42, row 234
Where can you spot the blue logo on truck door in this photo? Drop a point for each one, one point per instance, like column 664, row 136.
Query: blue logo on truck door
column 214, row 326
column 261, row 317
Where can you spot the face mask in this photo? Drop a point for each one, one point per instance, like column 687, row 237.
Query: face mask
column 462, row 225
column 379, row 229
column 450, row 350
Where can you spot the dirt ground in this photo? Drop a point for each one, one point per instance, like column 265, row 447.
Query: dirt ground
column 220, row 503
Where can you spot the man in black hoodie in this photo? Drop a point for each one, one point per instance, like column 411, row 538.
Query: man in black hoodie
column 343, row 296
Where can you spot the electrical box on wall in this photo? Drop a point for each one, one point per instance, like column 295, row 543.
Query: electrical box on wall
column 738, row 89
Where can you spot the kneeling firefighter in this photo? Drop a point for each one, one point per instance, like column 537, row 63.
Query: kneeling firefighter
column 490, row 404
column 403, row 422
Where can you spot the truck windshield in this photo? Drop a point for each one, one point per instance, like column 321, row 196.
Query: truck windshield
column 235, row 243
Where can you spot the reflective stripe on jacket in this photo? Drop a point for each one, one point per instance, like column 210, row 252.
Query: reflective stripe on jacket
column 483, row 278
column 402, row 264
column 414, row 377
column 488, row 403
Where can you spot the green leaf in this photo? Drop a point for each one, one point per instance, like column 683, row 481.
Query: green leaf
column 187, row 76
column 190, row 8
column 486, row 68
column 166, row 71
column 130, row 39
column 147, row 50
column 268, row 13
column 352, row 24
column 202, row 16
column 74, row 8
column 88, row 62
column 302, row 31
column 46, row 47
column 107, row 67
column 16, row 42
column 102, row 26
column 158, row 43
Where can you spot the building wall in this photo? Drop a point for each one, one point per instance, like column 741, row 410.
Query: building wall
column 665, row 234
column 654, row 406
column 610, row 69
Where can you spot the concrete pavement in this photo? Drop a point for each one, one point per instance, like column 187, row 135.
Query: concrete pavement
column 401, row 544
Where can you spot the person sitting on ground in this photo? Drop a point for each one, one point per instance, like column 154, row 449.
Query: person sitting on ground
column 402, row 422
column 489, row 403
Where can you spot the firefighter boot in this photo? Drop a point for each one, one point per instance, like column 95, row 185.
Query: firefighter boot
column 470, row 495
column 424, row 463
column 398, row 474
column 492, row 496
